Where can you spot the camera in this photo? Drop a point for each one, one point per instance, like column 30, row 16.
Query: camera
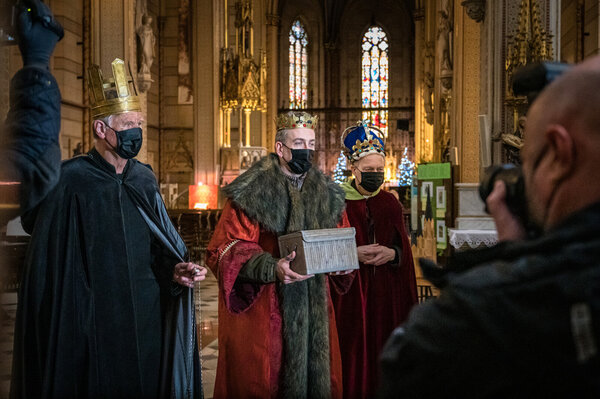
column 512, row 176
column 531, row 79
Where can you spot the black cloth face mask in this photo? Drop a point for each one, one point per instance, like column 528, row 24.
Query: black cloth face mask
column 129, row 142
column 301, row 160
column 371, row 181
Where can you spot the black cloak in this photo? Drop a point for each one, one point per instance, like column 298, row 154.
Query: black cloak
column 97, row 304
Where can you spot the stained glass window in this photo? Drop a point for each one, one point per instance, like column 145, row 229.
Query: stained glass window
column 375, row 67
column 298, row 66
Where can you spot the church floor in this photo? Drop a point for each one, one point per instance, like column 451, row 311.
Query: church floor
column 208, row 327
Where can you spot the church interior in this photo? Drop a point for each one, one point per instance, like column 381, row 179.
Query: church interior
column 212, row 75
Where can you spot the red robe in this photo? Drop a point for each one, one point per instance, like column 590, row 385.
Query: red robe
column 379, row 299
column 250, row 336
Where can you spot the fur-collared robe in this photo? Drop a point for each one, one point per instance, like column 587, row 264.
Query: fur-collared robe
column 275, row 340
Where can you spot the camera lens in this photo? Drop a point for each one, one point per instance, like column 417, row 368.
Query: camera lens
column 512, row 177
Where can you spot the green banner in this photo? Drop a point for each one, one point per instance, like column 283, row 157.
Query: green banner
column 433, row 171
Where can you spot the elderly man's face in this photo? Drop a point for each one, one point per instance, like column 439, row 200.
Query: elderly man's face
column 124, row 121
column 127, row 120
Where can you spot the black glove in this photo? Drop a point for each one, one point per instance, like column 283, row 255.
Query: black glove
column 37, row 32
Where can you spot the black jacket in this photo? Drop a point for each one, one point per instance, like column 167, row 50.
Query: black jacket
column 29, row 149
column 521, row 319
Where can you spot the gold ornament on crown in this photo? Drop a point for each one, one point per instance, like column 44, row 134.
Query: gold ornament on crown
column 296, row 120
column 370, row 145
column 114, row 95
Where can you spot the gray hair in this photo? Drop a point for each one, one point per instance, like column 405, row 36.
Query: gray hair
column 107, row 120
column 281, row 136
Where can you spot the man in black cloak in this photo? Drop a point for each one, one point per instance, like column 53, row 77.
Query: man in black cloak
column 105, row 307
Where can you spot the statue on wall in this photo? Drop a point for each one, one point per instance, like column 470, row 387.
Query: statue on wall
column 184, row 77
column 428, row 87
column 444, row 38
column 147, row 40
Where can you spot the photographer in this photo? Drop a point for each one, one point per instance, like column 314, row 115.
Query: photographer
column 29, row 148
column 521, row 319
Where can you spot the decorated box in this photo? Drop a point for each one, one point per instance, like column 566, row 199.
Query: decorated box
column 321, row 251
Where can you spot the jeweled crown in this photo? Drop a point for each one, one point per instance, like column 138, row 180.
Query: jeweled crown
column 296, row 119
column 114, row 95
column 361, row 140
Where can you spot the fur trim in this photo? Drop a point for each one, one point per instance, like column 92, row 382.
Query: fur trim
column 267, row 196
column 264, row 194
column 305, row 367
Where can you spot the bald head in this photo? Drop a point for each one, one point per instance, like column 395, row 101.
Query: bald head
column 561, row 147
column 572, row 100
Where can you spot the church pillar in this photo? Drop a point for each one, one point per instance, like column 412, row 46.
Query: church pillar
column 466, row 93
column 272, row 80
column 332, row 75
column 206, row 38
column 247, row 117
column 423, row 88
column 227, row 138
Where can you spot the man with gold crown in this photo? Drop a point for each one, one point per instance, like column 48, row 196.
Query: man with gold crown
column 277, row 332
column 105, row 308
column 384, row 289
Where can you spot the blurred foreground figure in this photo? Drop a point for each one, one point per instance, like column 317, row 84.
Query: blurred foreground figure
column 385, row 288
column 521, row 319
column 105, row 304
column 29, row 149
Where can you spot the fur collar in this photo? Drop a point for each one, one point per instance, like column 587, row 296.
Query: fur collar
column 267, row 196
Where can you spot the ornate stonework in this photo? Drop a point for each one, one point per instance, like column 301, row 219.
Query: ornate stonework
column 475, row 9
column 184, row 77
column 530, row 43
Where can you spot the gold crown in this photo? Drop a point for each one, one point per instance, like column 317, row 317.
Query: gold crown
column 113, row 95
column 296, row 119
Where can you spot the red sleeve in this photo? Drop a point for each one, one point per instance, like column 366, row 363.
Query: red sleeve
column 341, row 284
column 234, row 242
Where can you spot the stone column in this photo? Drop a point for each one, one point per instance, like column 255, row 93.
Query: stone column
column 466, row 93
column 419, row 106
column 205, row 66
column 247, row 117
column 227, row 138
column 272, row 79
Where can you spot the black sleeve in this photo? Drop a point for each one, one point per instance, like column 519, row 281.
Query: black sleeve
column 163, row 265
column 398, row 256
column 30, row 151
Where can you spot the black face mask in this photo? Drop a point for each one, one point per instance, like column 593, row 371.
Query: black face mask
column 371, row 181
column 129, row 142
column 301, row 160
